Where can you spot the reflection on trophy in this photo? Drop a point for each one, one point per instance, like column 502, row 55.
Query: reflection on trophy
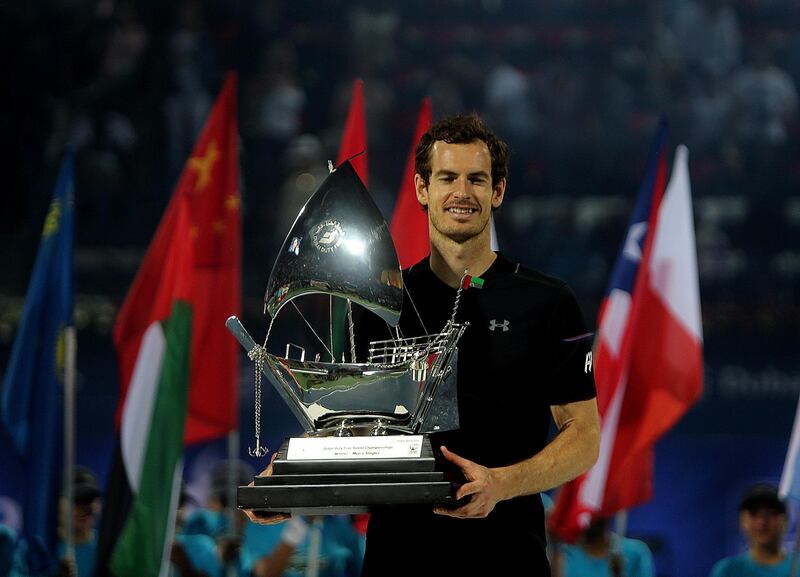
column 366, row 420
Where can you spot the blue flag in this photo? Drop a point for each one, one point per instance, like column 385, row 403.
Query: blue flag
column 30, row 411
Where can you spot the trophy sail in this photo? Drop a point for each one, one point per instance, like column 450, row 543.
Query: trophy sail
column 340, row 245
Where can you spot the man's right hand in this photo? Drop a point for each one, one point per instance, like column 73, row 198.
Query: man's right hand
column 265, row 517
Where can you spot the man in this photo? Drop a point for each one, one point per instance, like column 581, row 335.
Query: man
column 601, row 553
column 525, row 356
column 763, row 520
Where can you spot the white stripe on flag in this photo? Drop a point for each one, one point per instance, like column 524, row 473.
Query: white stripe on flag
column 137, row 412
column 594, row 487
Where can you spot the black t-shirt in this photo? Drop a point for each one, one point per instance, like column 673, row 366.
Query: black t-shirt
column 525, row 349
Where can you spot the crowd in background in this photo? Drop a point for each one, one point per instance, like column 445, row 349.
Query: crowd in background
column 575, row 87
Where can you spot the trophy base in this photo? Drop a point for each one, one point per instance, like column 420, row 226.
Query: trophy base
column 347, row 485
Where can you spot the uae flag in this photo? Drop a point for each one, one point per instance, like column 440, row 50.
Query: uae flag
column 178, row 365
column 649, row 351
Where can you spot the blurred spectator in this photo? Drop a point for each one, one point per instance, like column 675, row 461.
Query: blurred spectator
column 193, row 554
column 329, row 543
column 126, row 44
column 765, row 100
column 273, row 107
column 212, row 522
column 764, row 522
column 85, row 512
column 703, row 35
column 709, row 114
column 508, row 103
column 192, row 71
column 305, row 170
column 274, row 100
column 601, row 553
column 372, row 30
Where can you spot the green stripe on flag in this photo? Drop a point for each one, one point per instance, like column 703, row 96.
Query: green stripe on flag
column 140, row 548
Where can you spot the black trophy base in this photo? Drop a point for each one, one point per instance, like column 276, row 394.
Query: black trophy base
column 347, row 486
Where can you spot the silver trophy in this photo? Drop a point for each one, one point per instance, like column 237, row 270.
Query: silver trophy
column 366, row 420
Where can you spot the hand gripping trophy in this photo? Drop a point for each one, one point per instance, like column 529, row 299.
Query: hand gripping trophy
column 366, row 420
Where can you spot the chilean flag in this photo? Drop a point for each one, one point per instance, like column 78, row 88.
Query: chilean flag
column 649, row 352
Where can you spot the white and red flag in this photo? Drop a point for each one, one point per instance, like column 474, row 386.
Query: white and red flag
column 649, row 350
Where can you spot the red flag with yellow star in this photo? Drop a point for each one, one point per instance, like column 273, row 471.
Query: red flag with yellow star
column 209, row 184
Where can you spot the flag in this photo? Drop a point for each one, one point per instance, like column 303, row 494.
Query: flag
column 790, row 479
column 178, row 365
column 352, row 147
column 409, row 225
column 649, row 353
column 29, row 412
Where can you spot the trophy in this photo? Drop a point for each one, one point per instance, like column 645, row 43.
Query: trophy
column 366, row 421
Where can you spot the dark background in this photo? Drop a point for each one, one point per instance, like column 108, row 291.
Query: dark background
column 575, row 86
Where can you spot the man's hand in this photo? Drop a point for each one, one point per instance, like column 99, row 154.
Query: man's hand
column 264, row 517
column 482, row 486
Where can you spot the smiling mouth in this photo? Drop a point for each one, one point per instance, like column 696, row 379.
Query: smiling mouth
column 461, row 210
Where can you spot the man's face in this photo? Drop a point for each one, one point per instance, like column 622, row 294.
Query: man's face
column 764, row 527
column 460, row 196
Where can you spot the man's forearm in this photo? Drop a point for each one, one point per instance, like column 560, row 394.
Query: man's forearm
column 573, row 451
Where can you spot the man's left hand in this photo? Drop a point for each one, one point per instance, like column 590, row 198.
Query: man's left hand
column 482, row 487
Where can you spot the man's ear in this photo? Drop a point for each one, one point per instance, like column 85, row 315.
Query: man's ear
column 498, row 193
column 421, row 189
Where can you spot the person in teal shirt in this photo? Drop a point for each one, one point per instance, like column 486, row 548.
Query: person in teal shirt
column 764, row 522
column 600, row 553
column 85, row 512
column 287, row 549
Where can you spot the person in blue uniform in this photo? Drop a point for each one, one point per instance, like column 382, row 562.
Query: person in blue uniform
column 763, row 520
column 601, row 553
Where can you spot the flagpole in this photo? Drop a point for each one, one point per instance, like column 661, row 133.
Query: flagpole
column 231, row 568
column 621, row 522
column 70, row 350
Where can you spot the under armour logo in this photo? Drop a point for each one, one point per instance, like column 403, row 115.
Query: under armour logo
column 493, row 324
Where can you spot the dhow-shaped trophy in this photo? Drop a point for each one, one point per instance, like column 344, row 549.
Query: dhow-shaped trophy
column 366, row 420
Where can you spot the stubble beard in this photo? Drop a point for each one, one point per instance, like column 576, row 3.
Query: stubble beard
column 458, row 236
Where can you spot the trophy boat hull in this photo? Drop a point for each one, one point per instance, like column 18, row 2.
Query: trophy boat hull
column 411, row 390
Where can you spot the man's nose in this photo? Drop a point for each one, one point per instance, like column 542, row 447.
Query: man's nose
column 463, row 188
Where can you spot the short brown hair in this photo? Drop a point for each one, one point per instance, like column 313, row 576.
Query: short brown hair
column 461, row 129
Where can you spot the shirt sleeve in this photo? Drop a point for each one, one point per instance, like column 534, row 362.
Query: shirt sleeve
column 571, row 377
